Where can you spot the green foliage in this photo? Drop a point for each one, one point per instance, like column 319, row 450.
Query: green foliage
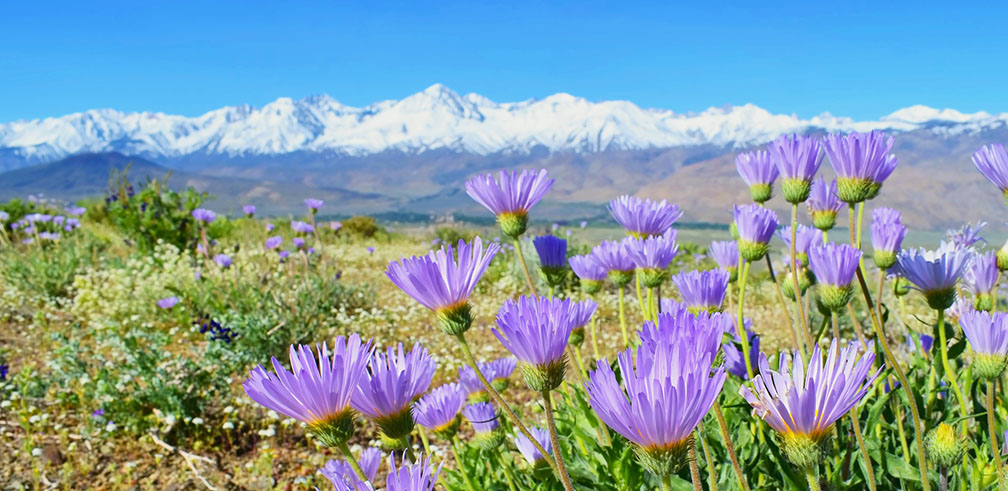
column 451, row 235
column 49, row 268
column 361, row 226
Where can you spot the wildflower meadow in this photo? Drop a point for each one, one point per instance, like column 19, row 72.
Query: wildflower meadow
column 152, row 342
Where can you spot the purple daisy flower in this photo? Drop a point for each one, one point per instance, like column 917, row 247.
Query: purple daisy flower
column 758, row 172
column 313, row 204
column 496, row 372
column 862, row 161
column 418, row 476
column 702, row 331
column 992, row 161
column 443, row 281
column 966, row 236
column 298, row 242
column 805, row 237
column 797, row 159
column 653, row 252
column 283, row 255
column 613, row 256
column 223, row 260
column 529, row 450
column 662, row 398
column 834, row 266
column 643, row 217
column 725, row 253
column 510, row 198
column 204, row 215
column 3, row 371
column 315, row 391
column 756, row 226
column 340, row 472
column 552, row 251
column 935, row 273
column 335, row 226
column 168, row 302
column 76, row 210
column 887, row 233
column 988, row 337
column 536, row 331
column 702, row 290
column 270, row 227
column 387, row 389
column 249, row 210
column 302, row 227
column 734, row 360
column 482, row 416
column 588, row 268
column 439, row 409
column 982, row 273
column 823, row 203
column 803, row 402
column 273, row 242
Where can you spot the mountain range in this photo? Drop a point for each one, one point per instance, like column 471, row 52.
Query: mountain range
column 414, row 154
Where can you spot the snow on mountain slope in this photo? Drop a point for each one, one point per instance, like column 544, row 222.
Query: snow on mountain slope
column 437, row 118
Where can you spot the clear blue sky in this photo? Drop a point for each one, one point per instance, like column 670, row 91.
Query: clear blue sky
column 858, row 59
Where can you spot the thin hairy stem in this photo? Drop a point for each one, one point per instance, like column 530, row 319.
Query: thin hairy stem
column 799, row 308
column 622, row 319
column 743, row 483
column 740, row 325
column 995, row 453
column 783, row 305
column 694, row 469
column 461, row 465
column 528, row 277
column 348, row 455
column 950, row 373
column 555, row 440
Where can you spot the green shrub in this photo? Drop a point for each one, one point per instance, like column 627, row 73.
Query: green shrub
column 361, row 226
column 451, row 235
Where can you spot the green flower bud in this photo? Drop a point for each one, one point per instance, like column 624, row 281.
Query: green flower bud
column 513, row 225
column 591, row 287
column 753, row 251
column 795, row 190
column 455, row 320
column 824, row 220
column 940, row 299
column 761, row 193
column 805, row 451
column 944, row 446
column 336, row 430
column 835, row 298
column 884, row 259
column 855, row 190
column 542, row 378
column 621, row 278
column 653, row 278
column 664, row 461
column 989, row 366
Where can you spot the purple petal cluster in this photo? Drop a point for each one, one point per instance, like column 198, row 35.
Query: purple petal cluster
column 982, row 274
column 314, row 390
column 273, row 242
column 734, row 360
column 536, row 330
column 663, row 396
column 834, row 264
column 653, row 251
column 797, row 157
column 418, row 476
column 887, row 231
column 643, row 217
column 795, row 399
column 513, row 194
column 482, row 416
column 552, row 251
column 439, row 408
column 966, row 236
column 223, row 260
column 755, row 223
column 168, row 302
column 992, row 161
column 302, row 227
column 588, row 268
column 498, row 369
column 823, row 197
column 805, row 237
column 204, row 215
column 313, row 204
column 442, row 279
column 756, row 167
column 933, row 271
column 861, row 155
column 725, row 253
column 341, row 473
column 393, row 381
column 701, row 331
column 528, row 449
column 987, row 333
column 613, row 256
column 249, row 210
column 703, row 290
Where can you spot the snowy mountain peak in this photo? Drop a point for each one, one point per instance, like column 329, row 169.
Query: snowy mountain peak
column 438, row 118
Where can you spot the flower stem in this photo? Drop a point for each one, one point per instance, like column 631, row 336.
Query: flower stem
column 995, row 454
column 743, row 484
column 902, row 433
column 693, row 467
column 651, row 308
column 555, row 440
column 864, row 449
column 787, row 315
column 950, row 373
column 812, row 476
column 423, row 439
column 461, row 465
column 799, row 308
column 712, row 476
column 740, row 325
column 521, row 257
column 666, row 483
column 602, row 429
column 467, row 353
column 348, row 455
column 622, row 319
column 640, row 298
column 594, row 337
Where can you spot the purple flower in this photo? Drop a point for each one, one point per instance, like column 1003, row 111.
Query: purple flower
column 725, row 253
column 588, row 268
column 536, row 330
column 3, row 371
column 298, row 242
column 988, row 337
column 270, row 227
column 584, row 223
column 734, row 361
column 834, row 264
column 49, row 235
column 510, row 198
column 386, row 390
column 370, row 249
column 966, row 236
column 315, row 391
column 756, row 226
column 59, row 219
column 653, row 252
column 482, row 416
column 887, row 231
column 529, row 450
column 340, row 472
column 935, row 273
column 552, row 251
column 805, row 402
column 643, row 217
column 982, row 274
column 862, row 161
column 798, row 159
column 758, row 172
column 274, row 242
column 313, row 204
column 439, row 409
column 76, row 210
column 249, row 209
column 702, row 290
column 702, row 331
column 222, row 260
column 495, row 371
column 204, row 215
column 613, row 256
column 805, row 237
column 443, row 282
column 283, row 255
column 302, row 227
column 411, row 477
column 98, row 413
column 168, row 302
column 662, row 398
column 823, row 203
column 581, row 312
column 992, row 161
column 335, row 226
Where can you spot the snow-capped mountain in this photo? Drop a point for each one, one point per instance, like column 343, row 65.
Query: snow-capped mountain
column 437, row 118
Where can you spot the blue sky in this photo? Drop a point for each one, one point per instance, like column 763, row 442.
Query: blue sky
column 858, row 59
